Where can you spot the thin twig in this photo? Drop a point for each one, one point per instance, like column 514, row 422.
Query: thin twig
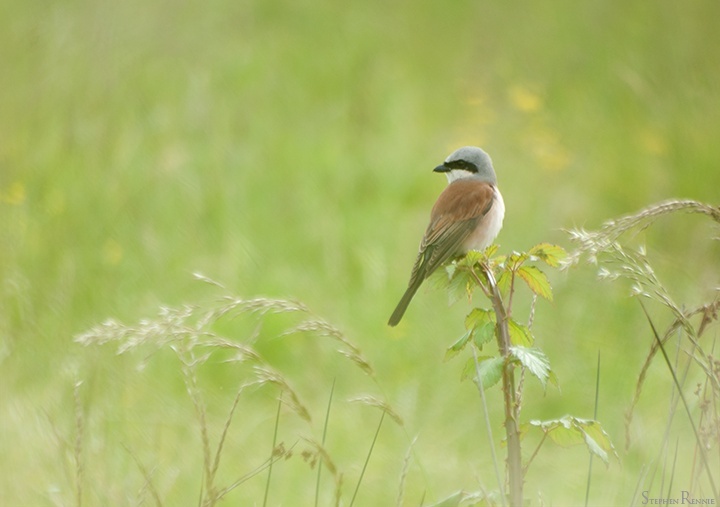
column 535, row 452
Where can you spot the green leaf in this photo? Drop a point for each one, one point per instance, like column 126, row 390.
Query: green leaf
column 479, row 317
column 489, row 367
column 561, row 431
column 503, row 282
column 456, row 347
column 490, row 251
column 519, row 335
column 552, row 255
column 450, row 270
column 484, row 334
column 482, row 323
column 457, row 282
column 516, row 259
column 472, row 257
column 535, row 361
column 569, row 430
column 597, row 440
column 536, row 280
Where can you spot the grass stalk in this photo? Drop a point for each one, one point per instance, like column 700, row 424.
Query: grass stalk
column 324, row 435
column 488, row 428
column 701, row 448
column 78, row 448
column 367, row 459
column 595, row 412
column 147, row 475
column 272, row 452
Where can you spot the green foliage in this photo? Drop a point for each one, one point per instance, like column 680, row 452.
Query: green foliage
column 536, row 362
column 516, row 348
column 481, row 323
column 486, row 371
column 285, row 148
column 520, row 334
column 617, row 260
column 568, row 431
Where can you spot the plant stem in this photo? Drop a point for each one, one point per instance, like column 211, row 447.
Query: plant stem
column 514, row 457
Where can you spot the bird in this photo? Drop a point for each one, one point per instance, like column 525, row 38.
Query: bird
column 468, row 215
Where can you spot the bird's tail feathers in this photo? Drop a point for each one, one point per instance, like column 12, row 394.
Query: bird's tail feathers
column 404, row 302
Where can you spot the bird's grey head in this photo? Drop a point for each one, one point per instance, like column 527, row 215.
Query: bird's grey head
column 468, row 162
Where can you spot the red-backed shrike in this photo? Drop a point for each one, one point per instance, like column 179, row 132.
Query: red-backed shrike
column 467, row 216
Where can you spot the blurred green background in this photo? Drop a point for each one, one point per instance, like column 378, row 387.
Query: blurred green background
column 285, row 149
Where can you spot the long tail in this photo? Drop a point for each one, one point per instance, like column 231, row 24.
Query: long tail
column 404, row 302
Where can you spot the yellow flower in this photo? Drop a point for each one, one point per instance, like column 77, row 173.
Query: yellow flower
column 112, row 252
column 653, row 142
column 15, row 194
column 524, row 100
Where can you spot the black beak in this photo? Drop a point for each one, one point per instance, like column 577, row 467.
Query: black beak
column 442, row 169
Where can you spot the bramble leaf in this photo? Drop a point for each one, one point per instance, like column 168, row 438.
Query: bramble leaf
column 489, row 367
column 478, row 317
column 552, row 255
column 569, row 430
column 535, row 361
column 456, row 347
column 457, row 282
column 482, row 323
column 472, row 257
column 536, row 280
column 503, row 282
column 520, row 335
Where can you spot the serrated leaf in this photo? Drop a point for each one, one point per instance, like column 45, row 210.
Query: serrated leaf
column 503, row 282
column 484, row 334
column 536, row 280
column 479, row 317
column 489, row 369
column 561, row 431
column 491, row 250
column 472, row 257
column 595, row 448
column 569, row 430
column 457, row 283
column 519, row 335
column 516, row 259
column 468, row 369
column 482, row 323
column 552, row 255
column 535, row 361
column 596, row 436
column 456, row 347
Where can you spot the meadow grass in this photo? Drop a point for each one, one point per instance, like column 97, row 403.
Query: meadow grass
column 285, row 150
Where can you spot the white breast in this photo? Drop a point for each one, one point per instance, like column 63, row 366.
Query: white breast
column 488, row 228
